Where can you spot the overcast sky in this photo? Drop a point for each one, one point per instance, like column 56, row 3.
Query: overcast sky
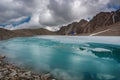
column 44, row 13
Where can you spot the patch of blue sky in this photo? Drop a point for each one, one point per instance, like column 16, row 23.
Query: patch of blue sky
column 14, row 24
column 2, row 25
column 116, row 7
column 26, row 20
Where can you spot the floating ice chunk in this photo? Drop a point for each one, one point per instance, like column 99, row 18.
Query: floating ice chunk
column 83, row 39
column 101, row 50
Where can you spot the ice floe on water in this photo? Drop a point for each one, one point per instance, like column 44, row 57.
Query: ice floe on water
column 101, row 50
column 83, row 39
column 67, row 57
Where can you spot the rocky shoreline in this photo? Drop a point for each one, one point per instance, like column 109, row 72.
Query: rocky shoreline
column 10, row 72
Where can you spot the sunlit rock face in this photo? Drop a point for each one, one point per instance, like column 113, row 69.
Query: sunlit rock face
column 101, row 20
column 67, row 58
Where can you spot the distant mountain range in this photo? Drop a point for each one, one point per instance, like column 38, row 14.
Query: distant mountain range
column 103, row 24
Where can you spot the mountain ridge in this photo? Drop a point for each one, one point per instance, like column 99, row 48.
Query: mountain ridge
column 98, row 25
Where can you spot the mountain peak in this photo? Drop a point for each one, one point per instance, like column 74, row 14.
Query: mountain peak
column 104, row 23
column 101, row 20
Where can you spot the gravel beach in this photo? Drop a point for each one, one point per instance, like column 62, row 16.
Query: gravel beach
column 10, row 72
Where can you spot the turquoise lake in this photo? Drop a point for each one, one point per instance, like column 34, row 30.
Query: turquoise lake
column 66, row 57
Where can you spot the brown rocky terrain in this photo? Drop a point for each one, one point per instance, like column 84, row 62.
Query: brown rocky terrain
column 11, row 72
column 101, row 21
column 77, row 27
column 81, row 27
column 99, row 24
column 114, row 30
column 6, row 34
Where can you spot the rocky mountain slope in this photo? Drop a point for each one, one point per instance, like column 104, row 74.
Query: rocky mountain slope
column 103, row 24
column 77, row 27
column 101, row 21
column 114, row 30
column 6, row 34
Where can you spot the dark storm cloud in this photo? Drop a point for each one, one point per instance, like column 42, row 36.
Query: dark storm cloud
column 115, row 2
column 14, row 8
column 61, row 8
column 66, row 11
column 53, row 12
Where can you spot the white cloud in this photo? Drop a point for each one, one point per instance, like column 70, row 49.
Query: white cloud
column 52, row 28
column 52, row 12
column 17, row 19
column 34, row 23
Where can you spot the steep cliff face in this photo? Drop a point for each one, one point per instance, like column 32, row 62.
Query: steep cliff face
column 99, row 22
column 76, row 27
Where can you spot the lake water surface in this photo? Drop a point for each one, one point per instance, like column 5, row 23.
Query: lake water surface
column 67, row 57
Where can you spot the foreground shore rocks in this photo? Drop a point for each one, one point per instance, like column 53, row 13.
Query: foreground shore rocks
column 10, row 72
